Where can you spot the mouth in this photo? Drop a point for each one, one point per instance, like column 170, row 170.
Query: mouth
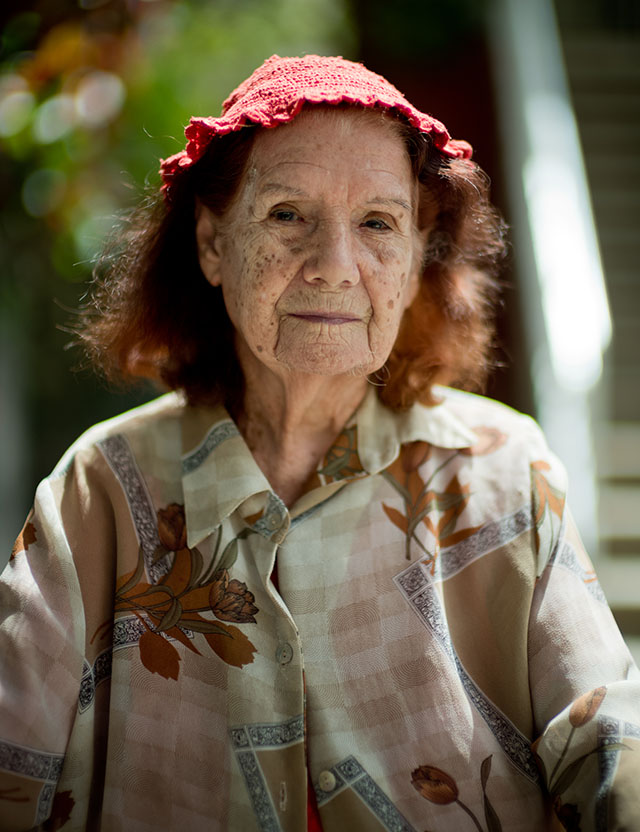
column 330, row 318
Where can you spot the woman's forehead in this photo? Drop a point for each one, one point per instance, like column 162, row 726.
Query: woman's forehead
column 331, row 139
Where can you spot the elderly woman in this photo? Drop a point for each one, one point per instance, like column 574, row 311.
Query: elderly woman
column 311, row 587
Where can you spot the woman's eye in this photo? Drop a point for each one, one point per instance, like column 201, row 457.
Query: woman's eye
column 284, row 215
column 376, row 224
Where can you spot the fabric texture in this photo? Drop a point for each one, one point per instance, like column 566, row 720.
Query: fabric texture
column 437, row 649
column 276, row 92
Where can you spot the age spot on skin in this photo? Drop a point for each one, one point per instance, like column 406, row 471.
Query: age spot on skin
column 390, row 304
column 259, row 348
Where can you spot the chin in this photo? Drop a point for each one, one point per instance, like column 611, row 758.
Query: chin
column 325, row 361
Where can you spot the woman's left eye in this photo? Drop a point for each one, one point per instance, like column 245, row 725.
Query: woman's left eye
column 376, row 224
column 283, row 215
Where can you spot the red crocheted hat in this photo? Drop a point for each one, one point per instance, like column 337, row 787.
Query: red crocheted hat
column 276, row 92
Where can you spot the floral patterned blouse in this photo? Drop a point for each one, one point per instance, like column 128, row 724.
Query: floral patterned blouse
column 436, row 654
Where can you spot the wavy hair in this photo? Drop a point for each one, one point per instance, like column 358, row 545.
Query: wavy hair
column 152, row 314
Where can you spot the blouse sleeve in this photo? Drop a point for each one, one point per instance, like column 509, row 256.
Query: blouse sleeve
column 585, row 686
column 41, row 647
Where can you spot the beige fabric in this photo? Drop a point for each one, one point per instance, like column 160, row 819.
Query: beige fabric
column 434, row 599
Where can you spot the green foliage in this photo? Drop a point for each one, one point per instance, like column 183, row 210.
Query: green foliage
column 87, row 114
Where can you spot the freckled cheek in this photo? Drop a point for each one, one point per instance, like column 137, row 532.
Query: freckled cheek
column 385, row 297
column 260, row 311
column 255, row 284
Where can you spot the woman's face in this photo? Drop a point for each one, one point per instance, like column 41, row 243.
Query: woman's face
column 318, row 255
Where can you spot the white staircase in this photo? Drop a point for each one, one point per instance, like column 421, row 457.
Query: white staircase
column 602, row 59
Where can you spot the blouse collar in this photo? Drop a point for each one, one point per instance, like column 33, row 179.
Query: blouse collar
column 219, row 472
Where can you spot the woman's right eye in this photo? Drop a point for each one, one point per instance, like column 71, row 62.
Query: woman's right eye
column 284, row 215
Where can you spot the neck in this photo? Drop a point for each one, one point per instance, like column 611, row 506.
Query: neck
column 289, row 421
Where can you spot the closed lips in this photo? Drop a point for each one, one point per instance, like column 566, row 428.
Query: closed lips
column 324, row 317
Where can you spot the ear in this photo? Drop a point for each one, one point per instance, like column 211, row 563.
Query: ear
column 208, row 239
column 411, row 289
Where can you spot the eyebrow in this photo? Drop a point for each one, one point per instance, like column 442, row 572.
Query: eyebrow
column 278, row 187
column 379, row 200
column 270, row 187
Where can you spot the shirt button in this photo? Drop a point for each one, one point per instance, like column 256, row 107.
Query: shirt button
column 273, row 521
column 284, row 653
column 327, row 781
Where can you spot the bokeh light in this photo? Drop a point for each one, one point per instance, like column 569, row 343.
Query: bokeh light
column 54, row 118
column 99, row 98
column 43, row 191
column 15, row 111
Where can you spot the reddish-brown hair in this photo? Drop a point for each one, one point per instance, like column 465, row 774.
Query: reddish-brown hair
column 154, row 315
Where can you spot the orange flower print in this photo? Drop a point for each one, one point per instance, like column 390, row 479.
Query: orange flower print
column 434, row 784
column 545, row 495
column 547, row 500
column 158, row 655
column 61, row 810
column 567, row 814
column 231, row 600
column 187, row 600
column 581, row 712
column 341, row 460
column 438, row 787
column 232, row 646
column 584, row 709
column 415, row 455
column 439, row 511
column 172, row 529
column 26, row 537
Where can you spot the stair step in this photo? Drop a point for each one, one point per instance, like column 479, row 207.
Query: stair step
column 611, row 138
column 619, row 501
column 617, row 446
column 607, row 170
column 624, row 383
column 602, row 57
column 603, row 69
column 620, row 581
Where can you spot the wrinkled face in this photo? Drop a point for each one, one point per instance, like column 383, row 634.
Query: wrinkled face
column 318, row 256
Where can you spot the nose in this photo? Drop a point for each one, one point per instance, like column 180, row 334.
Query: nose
column 332, row 259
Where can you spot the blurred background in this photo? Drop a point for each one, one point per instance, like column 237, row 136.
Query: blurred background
column 94, row 92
